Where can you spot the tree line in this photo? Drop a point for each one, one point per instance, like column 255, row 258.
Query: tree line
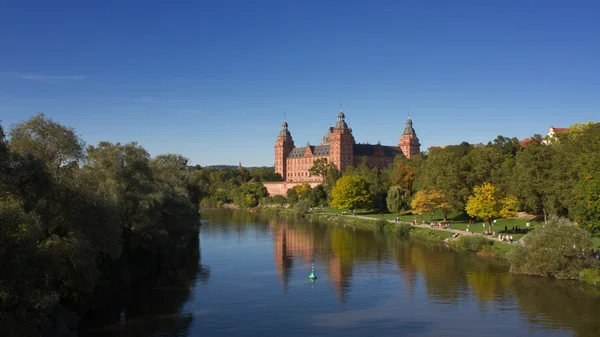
column 76, row 219
column 558, row 176
column 546, row 176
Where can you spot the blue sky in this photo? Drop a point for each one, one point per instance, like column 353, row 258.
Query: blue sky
column 212, row 79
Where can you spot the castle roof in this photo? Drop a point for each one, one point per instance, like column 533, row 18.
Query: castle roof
column 317, row 150
column 341, row 123
column 284, row 130
column 408, row 129
column 369, row 150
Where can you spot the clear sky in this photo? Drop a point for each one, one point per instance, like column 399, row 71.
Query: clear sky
column 212, row 79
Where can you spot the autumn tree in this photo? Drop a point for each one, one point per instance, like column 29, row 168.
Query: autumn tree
column 488, row 203
column 429, row 201
column 351, row 192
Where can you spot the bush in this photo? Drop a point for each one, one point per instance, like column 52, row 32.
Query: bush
column 590, row 275
column 381, row 224
column 473, row 243
column 403, row 229
column 302, row 207
column 428, row 234
column 501, row 249
column 557, row 250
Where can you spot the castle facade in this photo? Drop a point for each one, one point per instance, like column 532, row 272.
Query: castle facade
column 338, row 147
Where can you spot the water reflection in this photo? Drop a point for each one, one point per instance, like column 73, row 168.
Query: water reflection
column 367, row 284
column 150, row 307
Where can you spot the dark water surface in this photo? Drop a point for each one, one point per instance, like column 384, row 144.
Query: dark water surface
column 252, row 280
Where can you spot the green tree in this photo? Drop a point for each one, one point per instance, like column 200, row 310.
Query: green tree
column 559, row 249
column 327, row 171
column 317, row 196
column 488, row 203
column 402, row 175
column 531, row 173
column 351, row 192
column 444, row 171
column 52, row 143
column 398, row 199
column 292, row 196
column 302, row 206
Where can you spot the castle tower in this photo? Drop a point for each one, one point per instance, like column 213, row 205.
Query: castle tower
column 283, row 147
column 409, row 143
column 341, row 144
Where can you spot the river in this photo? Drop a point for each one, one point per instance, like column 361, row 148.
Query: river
column 251, row 279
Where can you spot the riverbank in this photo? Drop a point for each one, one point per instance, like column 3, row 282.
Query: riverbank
column 457, row 239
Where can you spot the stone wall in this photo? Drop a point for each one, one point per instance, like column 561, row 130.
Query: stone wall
column 281, row 187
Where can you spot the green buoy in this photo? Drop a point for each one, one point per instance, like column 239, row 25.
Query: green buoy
column 312, row 275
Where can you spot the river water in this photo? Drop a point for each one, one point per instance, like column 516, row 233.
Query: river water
column 251, row 279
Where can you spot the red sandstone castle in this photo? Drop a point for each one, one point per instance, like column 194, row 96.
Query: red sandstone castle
column 338, row 147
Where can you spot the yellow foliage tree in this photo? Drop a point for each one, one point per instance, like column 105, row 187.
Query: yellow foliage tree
column 429, row 201
column 350, row 192
column 488, row 203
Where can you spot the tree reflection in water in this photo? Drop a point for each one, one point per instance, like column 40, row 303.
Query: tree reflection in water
column 149, row 308
column 352, row 262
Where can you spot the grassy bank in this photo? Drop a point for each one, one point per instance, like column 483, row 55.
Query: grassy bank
column 545, row 253
column 396, row 228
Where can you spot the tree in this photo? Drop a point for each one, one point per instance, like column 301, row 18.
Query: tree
column 350, row 192
column 531, row 175
column 402, row 175
column 445, row 171
column 292, row 196
column 327, row 171
column 429, row 201
column 54, row 144
column 488, row 203
column 317, row 196
column 398, row 199
column 558, row 249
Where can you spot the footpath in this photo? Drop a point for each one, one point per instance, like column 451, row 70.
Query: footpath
column 450, row 230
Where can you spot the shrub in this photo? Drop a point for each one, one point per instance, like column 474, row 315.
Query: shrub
column 473, row 243
column 381, row 224
column 302, row 206
column 590, row 275
column 403, row 229
column 557, row 250
column 428, row 234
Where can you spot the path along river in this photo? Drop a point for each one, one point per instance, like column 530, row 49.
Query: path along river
column 251, row 279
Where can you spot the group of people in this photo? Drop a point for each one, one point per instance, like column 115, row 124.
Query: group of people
column 505, row 238
column 440, row 225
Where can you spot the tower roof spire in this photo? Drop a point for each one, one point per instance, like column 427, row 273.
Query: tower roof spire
column 284, row 128
column 341, row 124
column 408, row 129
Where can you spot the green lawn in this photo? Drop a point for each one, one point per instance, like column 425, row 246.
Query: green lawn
column 596, row 242
column 457, row 220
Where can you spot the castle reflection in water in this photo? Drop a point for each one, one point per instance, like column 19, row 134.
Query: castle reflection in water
column 303, row 244
column 336, row 251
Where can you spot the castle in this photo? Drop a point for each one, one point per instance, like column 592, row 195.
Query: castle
column 338, row 147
